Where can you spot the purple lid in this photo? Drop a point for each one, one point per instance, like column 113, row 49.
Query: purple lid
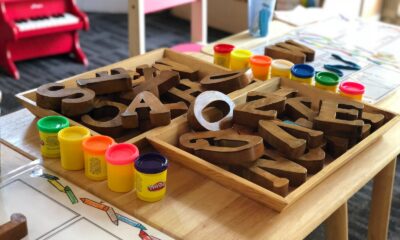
column 151, row 163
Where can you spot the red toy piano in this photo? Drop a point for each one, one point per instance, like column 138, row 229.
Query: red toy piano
column 37, row 28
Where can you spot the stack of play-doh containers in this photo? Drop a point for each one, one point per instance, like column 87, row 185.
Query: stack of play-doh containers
column 260, row 66
column 222, row 54
column 71, row 139
column 120, row 166
column 151, row 176
column 353, row 90
column 302, row 73
column 281, row 68
column 48, row 131
column 94, row 149
column 327, row 81
column 240, row 59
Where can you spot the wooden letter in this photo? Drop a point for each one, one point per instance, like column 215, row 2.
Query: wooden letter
column 249, row 114
column 340, row 118
column 313, row 160
column 287, row 144
column 314, row 138
column 176, row 109
column 105, row 118
column 157, row 85
column 186, row 91
column 70, row 101
column 375, row 119
column 290, row 50
column 223, row 147
column 274, row 163
column 225, row 82
column 267, row 180
column 183, row 70
column 146, row 107
column 200, row 119
column 299, row 107
column 15, row 229
column 103, row 83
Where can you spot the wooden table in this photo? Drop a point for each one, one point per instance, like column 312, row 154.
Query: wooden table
column 198, row 208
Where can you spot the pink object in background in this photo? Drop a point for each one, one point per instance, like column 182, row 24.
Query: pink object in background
column 187, row 47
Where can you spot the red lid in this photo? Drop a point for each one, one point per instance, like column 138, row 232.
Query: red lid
column 223, row 48
column 260, row 60
column 122, row 154
column 352, row 88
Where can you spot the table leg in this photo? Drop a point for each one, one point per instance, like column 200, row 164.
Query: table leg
column 199, row 21
column 381, row 202
column 336, row 226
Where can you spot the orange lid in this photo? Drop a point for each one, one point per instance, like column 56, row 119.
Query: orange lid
column 97, row 144
column 260, row 60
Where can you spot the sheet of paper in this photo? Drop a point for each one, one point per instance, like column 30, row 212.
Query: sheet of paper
column 52, row 214
column 372, row 45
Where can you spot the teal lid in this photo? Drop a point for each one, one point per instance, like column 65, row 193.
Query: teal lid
column 327, row 78
column 52, row 124
column 303, row 71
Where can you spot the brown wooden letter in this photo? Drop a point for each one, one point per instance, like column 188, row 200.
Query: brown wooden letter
column 15, row 229
column 201, row 119
column 225, row 82
column 70, row 101
column 340, row 118
column 157, row 85
column 284, row 142
column 223, row 147
column 103, row 83
column 314, row 138
column 183, row 70
column 176, row 109
column 250, row 113
column 299, row 107
column 105, row 118
column 186, row 91
column 280, row 166
column 145, row 107
column 375, row 119
column 267, row 180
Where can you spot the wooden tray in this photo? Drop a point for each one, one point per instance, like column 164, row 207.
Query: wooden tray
column 28, row 98
column 166, row 141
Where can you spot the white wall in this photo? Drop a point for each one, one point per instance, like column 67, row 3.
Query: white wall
column 111, row 6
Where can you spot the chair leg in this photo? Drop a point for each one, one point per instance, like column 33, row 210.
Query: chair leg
column 78, row 52
column 8, row 64
column 136, row 27
column 199, row 21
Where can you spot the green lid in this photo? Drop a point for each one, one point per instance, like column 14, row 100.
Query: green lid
column 327, row 78
column 52, row 124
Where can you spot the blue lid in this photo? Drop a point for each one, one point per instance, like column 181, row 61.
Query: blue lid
column 303, row 71
column 151, row 163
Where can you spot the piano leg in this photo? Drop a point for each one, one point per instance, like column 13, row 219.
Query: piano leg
column 8, row 64
column 78, row 52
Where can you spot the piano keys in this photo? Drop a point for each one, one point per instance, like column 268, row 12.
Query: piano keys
column 46, row 22
column 37, row 28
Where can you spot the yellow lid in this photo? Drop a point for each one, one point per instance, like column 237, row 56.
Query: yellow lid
column 241, row 53
column 74, row 133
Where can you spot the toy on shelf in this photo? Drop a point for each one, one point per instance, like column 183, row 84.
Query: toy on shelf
column 31, row 29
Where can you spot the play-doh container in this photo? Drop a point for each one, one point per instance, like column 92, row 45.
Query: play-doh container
column 151, row 177
column 120, row 169
column 327, row 81
column 48, row 129
column 302, row 73
column 353, row 90
column 260, row 66
column 94, row 149
column 240, row 59
column 71, row 151
column 281, row 68
column 222, row 54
